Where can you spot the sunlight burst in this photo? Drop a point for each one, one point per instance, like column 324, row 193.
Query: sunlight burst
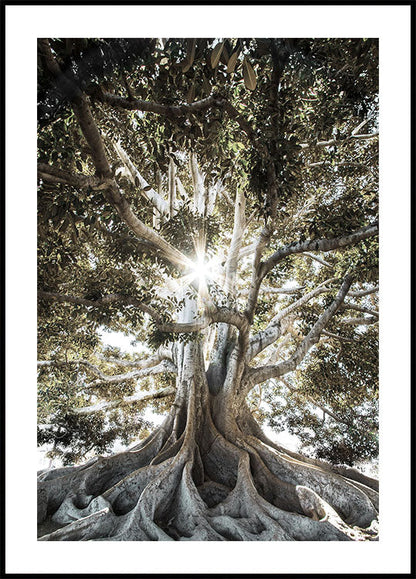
column 202, row 269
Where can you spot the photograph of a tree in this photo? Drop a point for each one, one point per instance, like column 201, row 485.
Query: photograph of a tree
column 216, row 201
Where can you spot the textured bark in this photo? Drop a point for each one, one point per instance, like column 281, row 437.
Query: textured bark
column 207, row 473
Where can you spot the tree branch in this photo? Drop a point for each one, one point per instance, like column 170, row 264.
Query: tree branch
column 269, row 335
column 318, row 245
column 56, row 175
column 332, row 142
column 364, row 310
column 214, row 315
column 362, row 293
column 64, row 363
column 261, row 374
column 318, row 259
column 359, row 321
column 164, row 366
column 133, row 399
column 136, row 179
column 162, row 354
column 175, row 111
column 257, row 276
column 338, row 337
column 172, row 111
column 102, row 301
column 234, row 250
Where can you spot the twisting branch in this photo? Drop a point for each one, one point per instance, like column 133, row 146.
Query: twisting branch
column 152, row 369
column 273, row 331
column 136, row 398
column 259, row 375
column 162, row 354
column 164, row 366
column 115, row 198
column 175, row 111
column 172, row 111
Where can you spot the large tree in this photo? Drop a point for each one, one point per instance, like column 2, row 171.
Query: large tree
column 216, row 200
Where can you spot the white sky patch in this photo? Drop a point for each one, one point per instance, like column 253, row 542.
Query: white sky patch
column 120, row 340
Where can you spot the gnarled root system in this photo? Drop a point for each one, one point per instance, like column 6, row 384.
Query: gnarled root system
column 195, row 483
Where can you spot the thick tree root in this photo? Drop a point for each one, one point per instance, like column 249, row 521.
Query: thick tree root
column 198, row 485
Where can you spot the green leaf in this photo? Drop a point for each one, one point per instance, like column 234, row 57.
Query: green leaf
column 191, row 95
column 206, row 85
column 216, row 54
column 232, row 62
column 190, row 55
column 249, row 75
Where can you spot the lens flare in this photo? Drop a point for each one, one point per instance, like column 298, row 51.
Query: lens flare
column 201, row 269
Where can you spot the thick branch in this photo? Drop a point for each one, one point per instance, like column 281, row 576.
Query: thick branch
column 318, row 245
column 215, row 315
column 236, row 241
column 55, row 175
column 257, row 276
column 175, row 111
column 172, row 111
column 162, row 354
column 103, row 301
column 113, row 194
column 225, row 315
column 136, row 179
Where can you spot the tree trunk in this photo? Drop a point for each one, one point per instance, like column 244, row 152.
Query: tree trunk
column 207, row 473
